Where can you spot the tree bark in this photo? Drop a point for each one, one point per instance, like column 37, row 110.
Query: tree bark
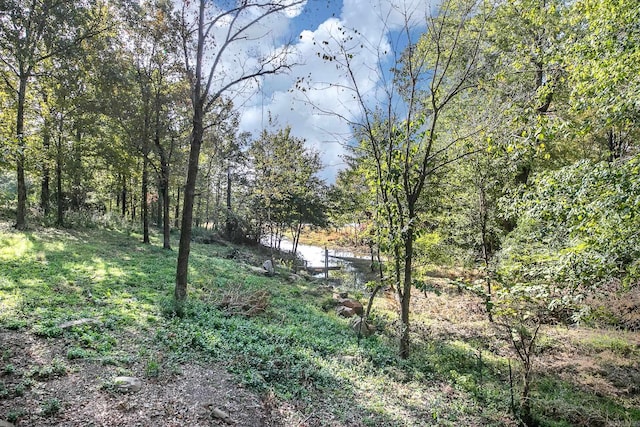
column 59, row 196
column 197, row 99
column 177, row 216
column 406, row 293
column 164, row 194
column 21, row 211
column 44, row 187
column 187, row 208
column 124, row 196
column 145, row 190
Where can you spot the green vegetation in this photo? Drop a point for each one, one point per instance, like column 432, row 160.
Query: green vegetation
column 294, row 351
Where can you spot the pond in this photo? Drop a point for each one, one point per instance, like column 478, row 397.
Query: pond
column 354, row 268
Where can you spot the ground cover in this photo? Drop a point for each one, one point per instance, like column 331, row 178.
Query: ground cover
column 292, row 361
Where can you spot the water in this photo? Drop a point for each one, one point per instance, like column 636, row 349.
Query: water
column 353, row 266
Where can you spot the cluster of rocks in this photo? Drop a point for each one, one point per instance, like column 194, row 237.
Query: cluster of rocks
column 347, row 307
column 352, row 308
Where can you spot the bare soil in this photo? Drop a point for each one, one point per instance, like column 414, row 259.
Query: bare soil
column 192, row 395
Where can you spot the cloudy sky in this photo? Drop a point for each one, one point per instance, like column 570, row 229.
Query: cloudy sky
column 377, row 22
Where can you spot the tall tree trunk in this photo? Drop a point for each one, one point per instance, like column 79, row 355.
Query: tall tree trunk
column 145, row 190
column 21, row 211
column 159, row 204
column 164, row 191
column 228, row 219
column 59, row 197
column 44, row 187
column 124, row 196
column 406, row 293
column 197, row 100
column 189, row 196
column 177, row 216
column 166, row 220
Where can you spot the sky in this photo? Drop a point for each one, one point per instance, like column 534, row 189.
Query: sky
column 277, row 97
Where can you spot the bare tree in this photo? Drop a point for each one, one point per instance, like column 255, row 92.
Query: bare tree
column 400, row 121
column 211, row 32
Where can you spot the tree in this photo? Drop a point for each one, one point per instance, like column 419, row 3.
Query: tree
column 30, row 34
column 602, row 69
column 219, row 28
column 403, row 137
column 285, row 186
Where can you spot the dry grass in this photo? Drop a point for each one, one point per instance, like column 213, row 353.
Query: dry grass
column 238, row 301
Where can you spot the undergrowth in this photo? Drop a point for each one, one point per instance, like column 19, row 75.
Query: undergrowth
column 294, row 349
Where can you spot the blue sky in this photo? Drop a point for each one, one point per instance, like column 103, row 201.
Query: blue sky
column 376, row 21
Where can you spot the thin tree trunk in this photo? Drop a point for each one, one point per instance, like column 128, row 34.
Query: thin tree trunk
column 406, row 293
column 159, row 204
column 124, row 196
column 59, row 199
column 21, row 211
column 177, row 224
column 197, row 131
column 187, row 208
column 44, row 187
column 143, row 202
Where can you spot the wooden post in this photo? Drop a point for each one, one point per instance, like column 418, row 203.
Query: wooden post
column 326, row 263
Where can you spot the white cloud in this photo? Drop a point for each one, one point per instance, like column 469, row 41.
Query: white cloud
column 374, row 20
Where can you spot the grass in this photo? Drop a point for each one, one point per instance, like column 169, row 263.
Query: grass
column 295, row 352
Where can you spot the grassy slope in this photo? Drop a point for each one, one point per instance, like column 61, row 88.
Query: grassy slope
column 304, row 360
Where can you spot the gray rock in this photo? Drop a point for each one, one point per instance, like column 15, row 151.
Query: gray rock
column 72, row 323
column 268, row 266
column 5, row 424
column 128, row 384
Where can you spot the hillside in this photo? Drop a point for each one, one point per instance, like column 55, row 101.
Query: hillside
column 267, row 351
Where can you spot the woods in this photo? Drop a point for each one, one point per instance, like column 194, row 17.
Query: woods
column 496, row 139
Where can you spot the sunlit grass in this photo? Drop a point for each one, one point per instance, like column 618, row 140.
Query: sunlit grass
column 14, row 247
column 295, row 350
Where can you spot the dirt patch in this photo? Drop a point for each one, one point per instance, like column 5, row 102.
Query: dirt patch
column 39, row 387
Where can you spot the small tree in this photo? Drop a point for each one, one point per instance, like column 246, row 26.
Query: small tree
column 209, row 33
column 402, row 135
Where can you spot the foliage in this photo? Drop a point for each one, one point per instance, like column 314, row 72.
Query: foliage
column 285, row 189
column 584, row 234
column 294, row 351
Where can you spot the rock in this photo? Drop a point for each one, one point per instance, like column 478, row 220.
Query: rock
column 5, row 424
column 220, row 414
column 268, row 266
column 362, row 327
column 128, row 384
column 72, row 323
column 256, row 270
column 345, row 311
column 353, row 304
column 294, row 278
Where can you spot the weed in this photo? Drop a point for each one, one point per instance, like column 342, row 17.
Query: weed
column 4, row 390
column 8, row 369
column 19, row 389
column 15, row 414
column 55, row 369
column 152, row 369
column 79, row 353
column 50, row 407
column 47, row 330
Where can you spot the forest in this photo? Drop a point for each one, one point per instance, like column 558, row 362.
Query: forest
column 489, row 183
